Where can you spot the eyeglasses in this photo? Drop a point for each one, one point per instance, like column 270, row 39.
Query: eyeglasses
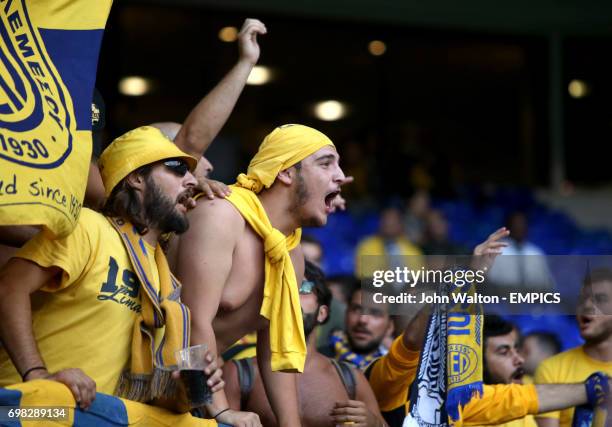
column 178, row 166
column 306, row 287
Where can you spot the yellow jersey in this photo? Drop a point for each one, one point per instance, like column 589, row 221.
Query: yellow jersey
column 571, row 366
column 85, row 319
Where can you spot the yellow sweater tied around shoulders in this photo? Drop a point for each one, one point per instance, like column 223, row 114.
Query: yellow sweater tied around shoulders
column 281, row 149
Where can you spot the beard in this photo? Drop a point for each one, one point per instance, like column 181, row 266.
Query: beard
column 160, row 210
column 310, row 322
column 300, row 197
column 366, row 348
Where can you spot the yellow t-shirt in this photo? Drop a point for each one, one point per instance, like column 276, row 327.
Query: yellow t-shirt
column 391, row 375
column 571, row 366
column 85, row 321
column 371, row 255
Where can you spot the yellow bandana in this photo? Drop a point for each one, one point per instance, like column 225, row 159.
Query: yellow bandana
column 281, row 149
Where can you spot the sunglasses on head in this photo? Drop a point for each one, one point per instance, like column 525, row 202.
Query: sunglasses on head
column 178, row 166
column 306, row 287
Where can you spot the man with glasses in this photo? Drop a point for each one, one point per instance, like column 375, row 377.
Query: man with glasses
column 99, row 309
column 330, row 392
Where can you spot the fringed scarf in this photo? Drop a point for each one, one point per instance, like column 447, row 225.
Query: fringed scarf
column 149, row 375
column 450, row 366
column 281, row 298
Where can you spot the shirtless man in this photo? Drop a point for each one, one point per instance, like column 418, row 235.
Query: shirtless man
column 321, row 389
column 291, row 182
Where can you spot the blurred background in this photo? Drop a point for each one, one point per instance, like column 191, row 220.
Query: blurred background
column 456, row 113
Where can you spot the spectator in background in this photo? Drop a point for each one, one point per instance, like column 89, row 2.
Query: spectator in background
column 414, row 220
column 341, row 287
column 329, row 391
column 537, row 346
column 436, row 236
column 313, row 251
column 385, row 250
column 595, row 324
column 365, row 329
column 503, row 363
column 522, row 264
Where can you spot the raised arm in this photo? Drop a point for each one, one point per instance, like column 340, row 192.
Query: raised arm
column 208, row 117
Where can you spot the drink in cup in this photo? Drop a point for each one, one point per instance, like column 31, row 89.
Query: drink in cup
column 191, row 363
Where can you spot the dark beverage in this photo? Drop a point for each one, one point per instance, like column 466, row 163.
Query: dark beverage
column 197, row 390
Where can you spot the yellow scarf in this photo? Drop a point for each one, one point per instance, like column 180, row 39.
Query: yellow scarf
column 464, row 352
column 149, row 376
column 282, row 148
column 281, row 300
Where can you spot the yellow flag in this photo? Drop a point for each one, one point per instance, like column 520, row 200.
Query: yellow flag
column 48, row 60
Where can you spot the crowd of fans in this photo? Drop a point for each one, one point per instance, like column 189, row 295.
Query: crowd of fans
column 165, row 258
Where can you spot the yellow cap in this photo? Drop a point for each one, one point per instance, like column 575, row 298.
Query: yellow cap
column 137, row 148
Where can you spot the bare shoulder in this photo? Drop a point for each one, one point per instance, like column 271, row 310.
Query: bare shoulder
column 216, row 214
column 212, row 224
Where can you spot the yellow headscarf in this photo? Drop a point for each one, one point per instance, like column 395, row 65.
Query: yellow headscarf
column 281, row 149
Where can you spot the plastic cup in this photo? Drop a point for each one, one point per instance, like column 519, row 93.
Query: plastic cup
column 191, row 363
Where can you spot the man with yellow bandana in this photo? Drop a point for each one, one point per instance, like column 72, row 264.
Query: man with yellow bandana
column 241, row 261
column 99, row 308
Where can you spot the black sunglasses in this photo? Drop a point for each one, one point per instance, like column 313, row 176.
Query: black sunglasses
column 178, row 166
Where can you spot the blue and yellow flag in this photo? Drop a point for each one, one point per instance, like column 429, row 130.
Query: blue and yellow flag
column 48, row 60
column 56, row 407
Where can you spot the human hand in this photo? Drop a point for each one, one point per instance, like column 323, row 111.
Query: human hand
column 355, row 413
column 248, row 48
column 339, row 202
column 83, row 388
column 212, row 371
column 486, row 252
column 212, row 188
column 239, row 419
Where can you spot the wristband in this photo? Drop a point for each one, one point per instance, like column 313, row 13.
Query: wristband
column 35, row 368
column 597, row 388
column 220, row 412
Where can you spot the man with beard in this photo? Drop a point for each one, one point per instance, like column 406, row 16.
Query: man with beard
column 241, row 261
column 594, row 316
column 330, row 393
column 99, row 310
column 366, row 328
column 503, row 363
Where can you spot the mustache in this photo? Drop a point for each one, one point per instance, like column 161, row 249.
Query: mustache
column 362, row 330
